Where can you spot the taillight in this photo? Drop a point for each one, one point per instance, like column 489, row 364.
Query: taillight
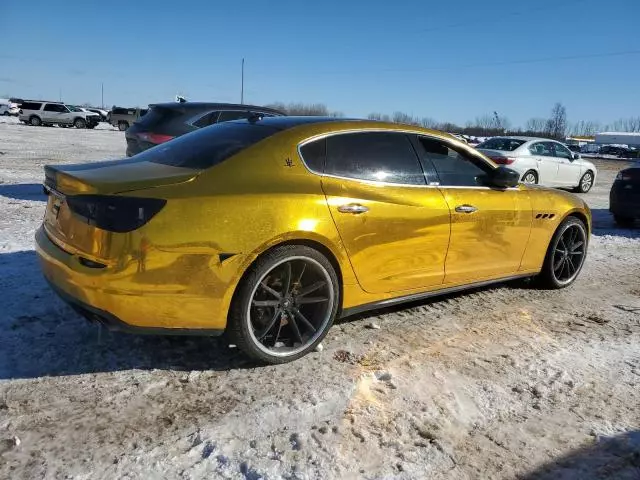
column 503, row 160
column 628, row 175
column 113, row 213
column 155, row 138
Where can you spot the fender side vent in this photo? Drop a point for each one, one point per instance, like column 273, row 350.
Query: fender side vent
column 545, row 216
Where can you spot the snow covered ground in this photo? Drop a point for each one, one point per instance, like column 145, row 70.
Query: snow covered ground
column 494, row 383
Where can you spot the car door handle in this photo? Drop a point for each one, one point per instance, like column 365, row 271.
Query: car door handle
column 354, row 208
column 466, row 209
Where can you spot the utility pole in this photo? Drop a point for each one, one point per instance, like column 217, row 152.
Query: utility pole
column 242, row 85
column 102, row 94
column 60, row 94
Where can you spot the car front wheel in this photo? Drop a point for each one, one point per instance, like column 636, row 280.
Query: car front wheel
column 565, row 255
column 285, row 304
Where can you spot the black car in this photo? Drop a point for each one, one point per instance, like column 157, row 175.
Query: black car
column 165, row 121
column 624, row 199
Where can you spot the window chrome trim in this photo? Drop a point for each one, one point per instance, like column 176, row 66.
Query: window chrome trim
column 377, row 182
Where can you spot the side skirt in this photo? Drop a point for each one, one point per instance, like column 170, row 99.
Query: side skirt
column 390, row 302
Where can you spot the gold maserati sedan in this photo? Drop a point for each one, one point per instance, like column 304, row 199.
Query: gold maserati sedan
column 269, row 229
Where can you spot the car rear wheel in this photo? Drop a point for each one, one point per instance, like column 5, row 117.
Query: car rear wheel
column 586, row 182
column 530, row 177
column 122, row 126
column 35, row 121
column 623, row 221
column 565, row 255
column 284, row 305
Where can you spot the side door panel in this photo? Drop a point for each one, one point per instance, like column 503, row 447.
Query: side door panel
column 568, row 171
column 489, row 227
column 546, row 163
column 401, row 242
column 394, row 227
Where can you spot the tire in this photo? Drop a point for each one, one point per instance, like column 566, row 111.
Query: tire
column 586, row 182
column 91, row 127
column 80, row 123
column 35, row 121
column 530, row 177
column 281, row 322
column 623, row 221
column 122, row 126
column 6, row 114
column 551, row 276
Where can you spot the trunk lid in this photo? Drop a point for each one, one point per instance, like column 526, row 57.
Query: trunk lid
column 76, row 235
column 112, row 177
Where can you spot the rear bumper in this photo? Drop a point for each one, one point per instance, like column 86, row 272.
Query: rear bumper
column 94, row 293
column 624, row 202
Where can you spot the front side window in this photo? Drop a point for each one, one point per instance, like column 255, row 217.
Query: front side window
column 561, row 151
column 375, row 156
column 454, row 169
column 542, row 149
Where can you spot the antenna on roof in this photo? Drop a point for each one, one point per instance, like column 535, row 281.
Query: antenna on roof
column 180, row 99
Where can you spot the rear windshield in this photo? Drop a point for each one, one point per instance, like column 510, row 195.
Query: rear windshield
column 505, row 144
column 208, row 146
column 156, row 115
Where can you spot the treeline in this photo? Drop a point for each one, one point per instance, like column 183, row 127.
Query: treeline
column 555, row 126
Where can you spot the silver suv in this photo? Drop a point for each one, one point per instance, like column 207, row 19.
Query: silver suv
column 36, row 113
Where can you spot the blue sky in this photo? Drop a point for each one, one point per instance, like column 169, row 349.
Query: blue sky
column 451, row 61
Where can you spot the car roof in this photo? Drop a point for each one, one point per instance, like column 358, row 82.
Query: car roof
column 524, row 139
column 185, row 106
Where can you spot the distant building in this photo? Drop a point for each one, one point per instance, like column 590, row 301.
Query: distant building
column 618, row 138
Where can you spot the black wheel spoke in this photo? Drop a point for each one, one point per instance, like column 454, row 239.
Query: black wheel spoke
column 265, row 303
column 306, row 300
column 294, row 328
column 270, row 290
column 304, row 320
column 575, row 246
column 304, row 267
column 311, row 288
column 286, row 284
column 558, row 264
column 262, row 333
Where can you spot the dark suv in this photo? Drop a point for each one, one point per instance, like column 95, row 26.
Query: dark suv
column 165, row 121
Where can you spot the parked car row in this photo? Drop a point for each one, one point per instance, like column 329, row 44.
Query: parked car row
column 39, row 113
column 8, row 108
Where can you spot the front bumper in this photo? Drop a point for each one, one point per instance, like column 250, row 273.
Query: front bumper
column 91, row 293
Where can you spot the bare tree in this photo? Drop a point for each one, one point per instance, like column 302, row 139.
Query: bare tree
column 401, row 117
column 557, row 124
column 536, row 125
column 304, row 109
column 428, row 122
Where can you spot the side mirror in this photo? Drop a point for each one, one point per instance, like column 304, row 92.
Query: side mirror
column 575, row 156
column 502, row 177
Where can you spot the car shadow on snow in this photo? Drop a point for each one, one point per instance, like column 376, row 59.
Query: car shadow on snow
column 23, row 191
column 603, row 224
column 42, row 336
column 609, row 457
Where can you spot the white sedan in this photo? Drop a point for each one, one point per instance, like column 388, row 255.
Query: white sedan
column 541, row 161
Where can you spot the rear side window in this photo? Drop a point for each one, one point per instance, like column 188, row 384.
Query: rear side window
column 31, row 106
column 453, row 168
column 376, row 156
column 541, row 148
column 228, row 115
column 504, row 144
column 207, row 147
column 314, row 154
column 156, row 116
column 53, row 107
column 206, row 119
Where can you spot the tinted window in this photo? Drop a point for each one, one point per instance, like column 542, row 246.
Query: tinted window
column 31, row 105
column 378, row 156
column 561, row 151
column 314, row 154
column 453, row 168
column 119, row 111
column 156, row 116
column 206, row 119
column 227, row 115
column 542, row 149
column 207, row 147
column 504, row 144
column 53, row 107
